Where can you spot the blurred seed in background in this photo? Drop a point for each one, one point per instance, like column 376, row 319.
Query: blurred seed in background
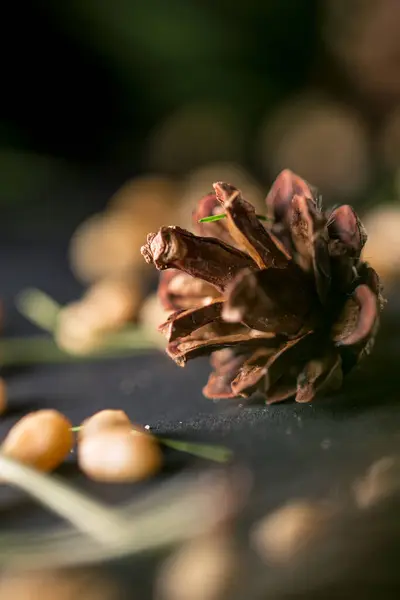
column 324, row 141
column 195, row 135
column 364, row 38
column 56, row 585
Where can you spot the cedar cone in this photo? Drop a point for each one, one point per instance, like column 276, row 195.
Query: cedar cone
column 285, row 308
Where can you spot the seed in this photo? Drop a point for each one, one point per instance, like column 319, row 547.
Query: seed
column 104, row 419
column 202, row 569
column 280, row 536
column 76, row 332
column 60, row 585
column 3, row 396
column 323, row 124
column 118, row 455
column 108, row 244
column 181, row 141
column 41, row 439
column 382, row 249
column 151, row 316
column 381, row 480
column 114, row 301
column 150, row 197
column 107, row 306
column 102, row 246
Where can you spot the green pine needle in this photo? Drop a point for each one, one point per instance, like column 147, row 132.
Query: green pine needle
column 39, row 308
column 207, row 451
column 40, row 349
column 213, row 218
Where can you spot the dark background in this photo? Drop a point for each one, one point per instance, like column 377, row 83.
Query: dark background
column 86, row 87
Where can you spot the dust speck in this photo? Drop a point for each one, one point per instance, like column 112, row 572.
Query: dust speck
column 326, row 444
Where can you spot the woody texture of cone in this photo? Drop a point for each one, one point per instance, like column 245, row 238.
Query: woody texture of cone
column 283, row 307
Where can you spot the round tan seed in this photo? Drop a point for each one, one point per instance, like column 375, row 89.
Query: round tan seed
column 76, row 331
column 281, row 535
column 201, row 569
column 55, row 585
column 104, row 419
column 118, row 455
column 41, row 439
column 114, row 301
column 381, row 480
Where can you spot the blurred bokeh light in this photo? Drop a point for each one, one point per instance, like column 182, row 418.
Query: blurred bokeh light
column 136, row 109
column 324, row 141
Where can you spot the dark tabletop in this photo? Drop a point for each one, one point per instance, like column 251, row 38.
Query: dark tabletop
column 313, row 450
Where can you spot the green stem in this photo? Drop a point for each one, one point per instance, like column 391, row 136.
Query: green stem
column 207, row 451
column 39, row 308
column 43, row 311
column 41, row 349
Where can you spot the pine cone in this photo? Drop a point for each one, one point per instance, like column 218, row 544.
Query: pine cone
column 285, row 308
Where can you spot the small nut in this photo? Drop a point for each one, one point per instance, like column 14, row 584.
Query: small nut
column 104, row 419
column 117, row 455
column 381, row 480
column 202, row 569
column 41, row 439
column 55, row 585
column 281, row 535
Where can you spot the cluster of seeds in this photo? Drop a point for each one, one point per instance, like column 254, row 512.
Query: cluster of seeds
column 110, row 447
column 106, row 307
